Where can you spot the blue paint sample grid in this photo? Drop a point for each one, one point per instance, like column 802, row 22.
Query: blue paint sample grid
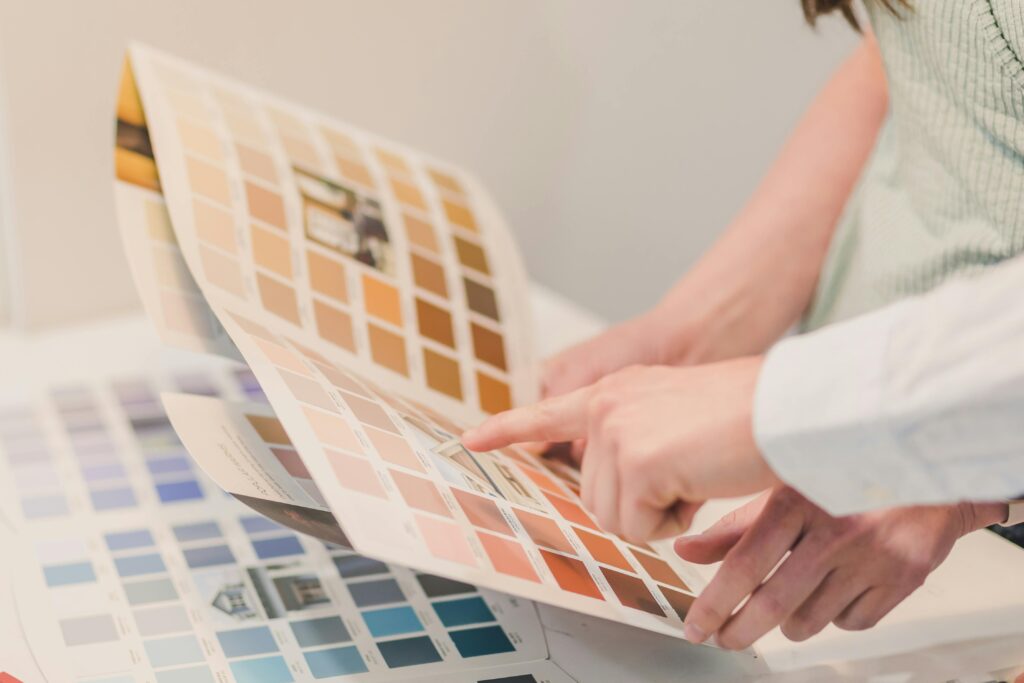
column 171, row 469
column 351, row 614
column 399, row 629
column 95, row 448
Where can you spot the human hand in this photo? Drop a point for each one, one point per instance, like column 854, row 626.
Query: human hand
column 644, row 340
column 659, row 441
column 850, row 571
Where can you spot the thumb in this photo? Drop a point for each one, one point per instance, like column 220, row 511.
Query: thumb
column 1020, row 679
column 713, row 544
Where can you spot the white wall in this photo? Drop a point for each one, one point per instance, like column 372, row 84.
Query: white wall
column 619, row 137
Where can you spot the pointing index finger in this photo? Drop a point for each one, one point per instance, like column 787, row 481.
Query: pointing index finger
column 562, row 418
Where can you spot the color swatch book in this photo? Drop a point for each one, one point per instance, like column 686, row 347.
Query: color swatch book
column 129, row 565
column 380, row 302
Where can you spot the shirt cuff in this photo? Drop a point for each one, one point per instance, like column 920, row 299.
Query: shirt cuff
column 820, row 419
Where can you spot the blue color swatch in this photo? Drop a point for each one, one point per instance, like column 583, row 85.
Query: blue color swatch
column 463, row 612
column 336, row 661
column 322, row 631
column 277, row 547
column 139, row 564
column 392, row 621
column 66, row 574
column 125, row 540
column 248, row 641
column 476, row 642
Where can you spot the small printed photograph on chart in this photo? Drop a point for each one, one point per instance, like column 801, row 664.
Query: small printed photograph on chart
column 345, row 220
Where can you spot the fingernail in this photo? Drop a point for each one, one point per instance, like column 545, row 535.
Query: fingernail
column 694, row 633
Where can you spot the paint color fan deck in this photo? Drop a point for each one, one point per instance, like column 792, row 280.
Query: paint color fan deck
column 131, row 565
column 379, row 301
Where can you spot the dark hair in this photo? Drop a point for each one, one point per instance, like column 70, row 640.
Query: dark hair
column 815, row 8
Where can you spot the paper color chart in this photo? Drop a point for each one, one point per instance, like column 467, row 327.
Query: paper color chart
column 104, row 447
column 404, row 490
column 183, row 587
column 240, row 597
column 360, row 249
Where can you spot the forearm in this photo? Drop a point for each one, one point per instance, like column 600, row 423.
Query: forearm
column 757, row 279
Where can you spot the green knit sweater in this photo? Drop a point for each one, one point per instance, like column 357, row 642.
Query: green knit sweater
column 943, row 192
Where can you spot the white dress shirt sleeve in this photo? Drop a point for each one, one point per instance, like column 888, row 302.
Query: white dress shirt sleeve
column 920, row 402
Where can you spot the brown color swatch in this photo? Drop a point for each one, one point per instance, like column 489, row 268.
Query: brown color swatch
column 631, row 592
column 660, row 570
column 603, row 549
column 435, row 323
column 429, row 275
column 481, row 298
column 392, row 161
column 680, row 602
column 544, row 531
column 495, row 396
column 407, row 194
column 420, row 493
column 327, row 276
column 388, row 349
column 446, row 182
column 459, row 215
column 442, row 373
column 489, row 346
column 508, row 557
column 278, row 298
column 270, row 250
column 334, row 325
column 482, row 512
column 270, row 429
column 571, row 575
column 382, row 300
column 420, row 233
column 265, row 205
column 472, row 255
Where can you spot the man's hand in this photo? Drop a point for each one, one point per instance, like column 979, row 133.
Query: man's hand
column 850, row 571
column 659, row 441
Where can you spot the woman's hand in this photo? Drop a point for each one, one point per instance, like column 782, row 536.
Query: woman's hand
column 644, row 340
column 659, row 441
column 850, row 571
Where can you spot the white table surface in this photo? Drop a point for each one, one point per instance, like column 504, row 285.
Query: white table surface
column 589, row 649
